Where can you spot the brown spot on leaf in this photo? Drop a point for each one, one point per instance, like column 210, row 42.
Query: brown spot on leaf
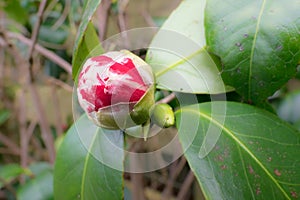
column 294, row 194
column 258, row 191
column 269, row 159
column 217, row 147
column 223, row 167
column 251, row 171
column 277, row 172
column 220, row 158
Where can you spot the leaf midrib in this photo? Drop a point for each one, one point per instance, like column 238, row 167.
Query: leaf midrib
column 254, row 44
column 240, row 143
column 244, row 171
column 180, row 61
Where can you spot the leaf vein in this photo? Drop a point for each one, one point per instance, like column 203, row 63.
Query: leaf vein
column 266, row 139
column 253, row 46
column 174, row 65
column 245, row 173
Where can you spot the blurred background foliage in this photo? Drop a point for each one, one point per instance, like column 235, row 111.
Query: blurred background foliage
column 36, row 92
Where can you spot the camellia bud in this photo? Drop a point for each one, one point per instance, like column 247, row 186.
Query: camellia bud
column 163, row 115
column 116, row 90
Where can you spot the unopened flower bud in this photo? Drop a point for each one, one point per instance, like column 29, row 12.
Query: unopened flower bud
column 163, row 115
column 116, row 90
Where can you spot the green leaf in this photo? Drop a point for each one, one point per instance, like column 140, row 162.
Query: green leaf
column 10, row 172
column 256, row 156
column 38, row 188
column 257, row 41
column 4, row 115
column 14, row 10
column 297, row 125
column 84, row 160
column 177, row 53
column 87, row 42
column 47, row 34
column 40, row 167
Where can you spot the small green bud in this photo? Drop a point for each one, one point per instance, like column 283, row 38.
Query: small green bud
column 163, row 115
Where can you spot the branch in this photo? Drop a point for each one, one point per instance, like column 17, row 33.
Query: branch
column 46, row 131
column 10, row 144
column 138, row 187
column 122, row 22
column 37, row 26
column 2, row 71
column 45, row 52
column 103, row 13
column 56, row 105
column 60, row 83
column 175, row 171
column 64, row 15
column 34, row 36
column 7, row 150
column 148, row 18
column 186, row 185
column 23, row 132
column 45, row 128
column 168, row 98
column 137, row 178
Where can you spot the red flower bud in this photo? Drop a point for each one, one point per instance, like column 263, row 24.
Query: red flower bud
column 116, row 89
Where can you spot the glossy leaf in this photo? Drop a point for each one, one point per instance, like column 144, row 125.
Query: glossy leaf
column 84, row 160
column 10, row 172
column 177, row 53
column 256, row 156
column 87, row 42
column 257, row 41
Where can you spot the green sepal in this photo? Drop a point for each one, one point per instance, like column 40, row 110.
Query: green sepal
column 141, row 111
column 121, row 116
